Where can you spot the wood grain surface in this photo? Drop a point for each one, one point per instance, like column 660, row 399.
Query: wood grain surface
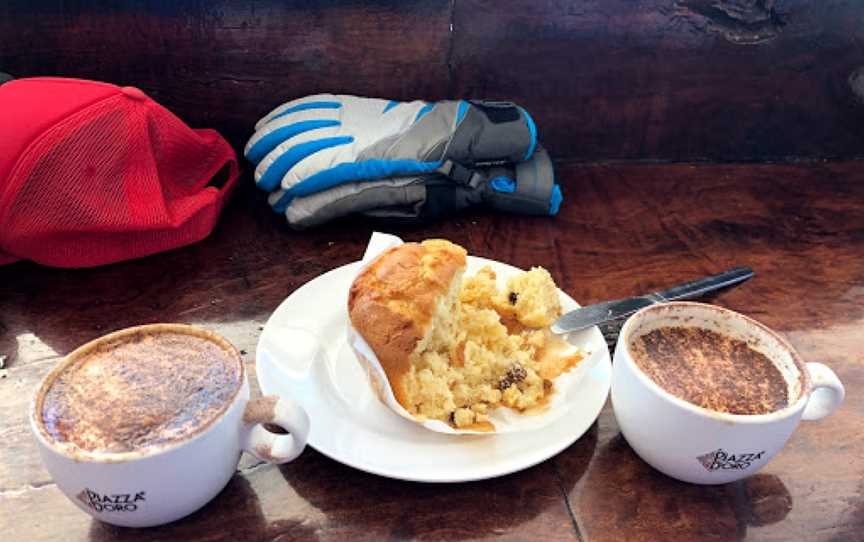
column 623, row 230
column 670, row 80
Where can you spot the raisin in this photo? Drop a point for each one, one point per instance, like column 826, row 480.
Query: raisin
column 515, row 374
column 513, row 298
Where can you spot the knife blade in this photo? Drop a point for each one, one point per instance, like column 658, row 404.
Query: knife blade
column 592, row 315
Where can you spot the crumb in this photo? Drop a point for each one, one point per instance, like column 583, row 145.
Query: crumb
column 463, row 417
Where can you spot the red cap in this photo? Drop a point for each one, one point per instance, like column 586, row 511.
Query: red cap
column 91, row 173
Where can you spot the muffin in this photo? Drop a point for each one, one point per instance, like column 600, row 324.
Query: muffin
column 455, row 350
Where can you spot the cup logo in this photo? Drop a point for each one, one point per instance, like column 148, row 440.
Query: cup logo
column 720, row 459
column 115, row 502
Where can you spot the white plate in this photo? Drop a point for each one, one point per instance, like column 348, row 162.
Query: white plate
column 350, row 424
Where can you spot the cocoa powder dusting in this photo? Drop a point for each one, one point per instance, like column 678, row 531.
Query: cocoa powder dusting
column 711, row 370
column 140, row 391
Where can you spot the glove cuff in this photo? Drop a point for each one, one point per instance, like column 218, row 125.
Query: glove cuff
column 493, row 132
column 527, row 188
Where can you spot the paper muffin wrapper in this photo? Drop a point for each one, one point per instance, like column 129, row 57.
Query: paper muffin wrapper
column 504, row 419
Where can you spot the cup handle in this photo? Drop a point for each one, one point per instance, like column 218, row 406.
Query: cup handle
column 827, row 392
column 280, row 411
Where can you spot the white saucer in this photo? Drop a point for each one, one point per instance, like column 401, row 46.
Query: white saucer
column 303, row 354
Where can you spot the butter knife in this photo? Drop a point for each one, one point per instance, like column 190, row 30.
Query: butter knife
column 592, row 315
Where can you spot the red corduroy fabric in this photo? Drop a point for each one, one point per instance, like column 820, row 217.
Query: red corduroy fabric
column 92, row 173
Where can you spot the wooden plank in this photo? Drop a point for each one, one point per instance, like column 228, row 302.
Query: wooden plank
column 317, row 498
column 225, row 64
column 664, row 80
column 670, row 80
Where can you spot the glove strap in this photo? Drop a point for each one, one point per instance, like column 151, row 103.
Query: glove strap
column 462, row 175
column 524, row 188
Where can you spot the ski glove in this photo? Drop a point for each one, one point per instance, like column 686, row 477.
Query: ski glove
column 327, row 156
column 319, row 142
column 526, row 188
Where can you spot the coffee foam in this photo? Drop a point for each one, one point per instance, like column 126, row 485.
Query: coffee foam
column 757, row 336
column 139, row 389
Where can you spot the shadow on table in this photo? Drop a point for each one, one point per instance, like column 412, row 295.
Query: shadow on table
column 624, row 496
column 373, row 506
column 315, row 494
column 235, row 514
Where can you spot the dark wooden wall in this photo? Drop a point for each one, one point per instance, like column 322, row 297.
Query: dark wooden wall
column 678, row 80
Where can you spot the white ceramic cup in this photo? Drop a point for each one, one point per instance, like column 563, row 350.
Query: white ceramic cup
column 703, row 446
column 159, row 484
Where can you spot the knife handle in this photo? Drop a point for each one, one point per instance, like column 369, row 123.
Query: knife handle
column 697, row 288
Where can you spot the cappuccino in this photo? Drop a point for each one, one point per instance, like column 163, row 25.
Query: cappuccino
column 140, row 391
column 709, row 396
column 711, row 370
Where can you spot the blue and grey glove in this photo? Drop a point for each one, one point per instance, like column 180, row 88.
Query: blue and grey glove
column 347, row 151
column 525, row 188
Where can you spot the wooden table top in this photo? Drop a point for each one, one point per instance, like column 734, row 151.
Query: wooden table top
column 623, row 230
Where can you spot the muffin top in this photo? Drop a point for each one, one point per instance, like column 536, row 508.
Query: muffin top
column 391, row 303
